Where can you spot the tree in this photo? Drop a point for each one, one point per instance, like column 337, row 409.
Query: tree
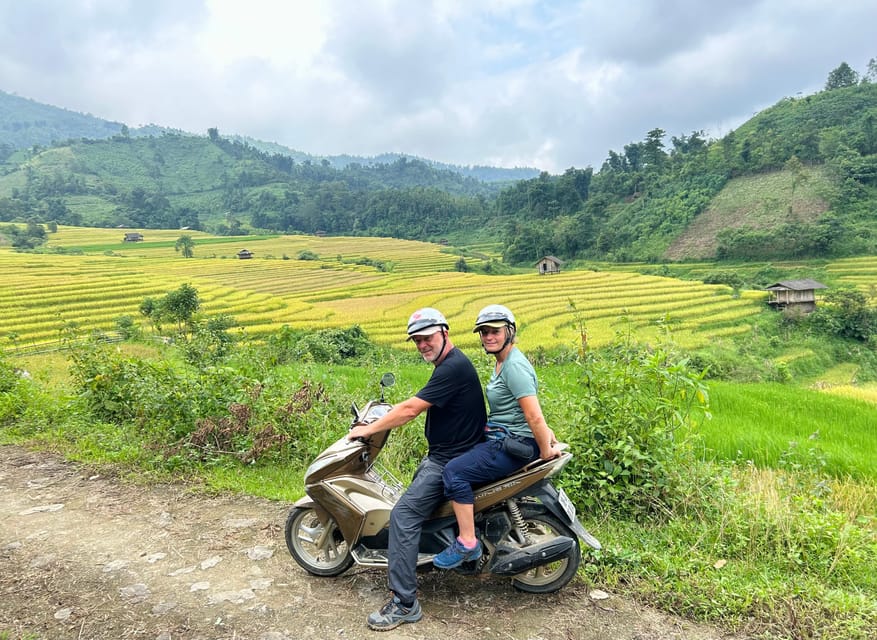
column 653, row 154
column 180, row 305
column 845, row 312
column 843, row 76
column 871, row 73
column 796, row 168
column 185, row 245
column 152, row 310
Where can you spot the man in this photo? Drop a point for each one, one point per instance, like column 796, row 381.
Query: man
column 455, row 419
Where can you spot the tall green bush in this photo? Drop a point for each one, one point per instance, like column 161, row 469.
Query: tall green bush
column 624, row 425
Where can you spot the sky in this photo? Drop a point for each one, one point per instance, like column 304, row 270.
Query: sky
column 506, row 83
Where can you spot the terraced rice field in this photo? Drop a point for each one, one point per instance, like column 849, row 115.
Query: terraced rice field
column 42, row 293
column 860, row 272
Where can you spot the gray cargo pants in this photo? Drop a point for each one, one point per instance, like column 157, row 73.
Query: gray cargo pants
column 418, row 502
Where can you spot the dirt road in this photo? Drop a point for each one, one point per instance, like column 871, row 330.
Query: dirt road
column 89, row 557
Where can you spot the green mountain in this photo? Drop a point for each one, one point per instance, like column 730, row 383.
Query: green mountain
column 25, row 123
column 798, row 180
column 225, row 186
column 478, row 172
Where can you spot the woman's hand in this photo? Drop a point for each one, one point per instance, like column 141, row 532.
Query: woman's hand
column 553, row 452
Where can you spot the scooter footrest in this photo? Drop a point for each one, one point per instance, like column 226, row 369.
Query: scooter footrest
column 381, row 558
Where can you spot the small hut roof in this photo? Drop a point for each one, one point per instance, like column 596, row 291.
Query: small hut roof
column 796, row 285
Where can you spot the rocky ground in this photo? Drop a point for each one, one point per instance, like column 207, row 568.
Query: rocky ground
column 85, row 556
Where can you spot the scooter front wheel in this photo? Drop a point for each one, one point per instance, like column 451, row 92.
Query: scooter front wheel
column 319, row 548
column 553, row 576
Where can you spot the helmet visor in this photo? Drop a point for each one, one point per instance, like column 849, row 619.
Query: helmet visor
column 427, row 331
column 496, row 324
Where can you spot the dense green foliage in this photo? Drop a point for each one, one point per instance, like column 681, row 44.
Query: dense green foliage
column 635, row 207
column 643, row 198
column 178, row 181
column 623, row 418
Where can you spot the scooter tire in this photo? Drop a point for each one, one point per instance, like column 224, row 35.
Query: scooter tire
column 556, row 575
column 318, row 548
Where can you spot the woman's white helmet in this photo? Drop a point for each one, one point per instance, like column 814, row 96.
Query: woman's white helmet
column 425, row 322
column 498, row 317
column 494, row 315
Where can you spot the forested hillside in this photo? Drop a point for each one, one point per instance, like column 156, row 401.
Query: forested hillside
column 174, row 180
column 799, row 180
column 811, row 168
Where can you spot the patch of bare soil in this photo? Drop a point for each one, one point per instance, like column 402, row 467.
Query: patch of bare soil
column 87, row 556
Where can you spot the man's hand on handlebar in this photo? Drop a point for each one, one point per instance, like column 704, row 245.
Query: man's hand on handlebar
column 359, row 432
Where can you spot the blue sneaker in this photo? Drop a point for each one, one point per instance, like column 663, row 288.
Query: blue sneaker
column 457, row 554
column 392, row 614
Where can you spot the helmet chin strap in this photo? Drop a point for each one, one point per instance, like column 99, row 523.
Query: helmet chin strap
column 442, row 350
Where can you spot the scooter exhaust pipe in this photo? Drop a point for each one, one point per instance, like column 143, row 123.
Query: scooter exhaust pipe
column 509, row 561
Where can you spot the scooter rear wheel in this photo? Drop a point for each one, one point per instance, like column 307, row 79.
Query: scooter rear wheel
column 318, row 548
column 556, row 575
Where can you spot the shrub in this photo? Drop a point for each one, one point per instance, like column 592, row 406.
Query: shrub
column 327, row 345
column 126, row 327
column 844, row 312
column 624, row 424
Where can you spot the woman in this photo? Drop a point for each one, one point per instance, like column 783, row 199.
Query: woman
column 516, row 431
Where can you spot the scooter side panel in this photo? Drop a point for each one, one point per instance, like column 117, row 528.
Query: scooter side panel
column 505, row 488
column 361, row 507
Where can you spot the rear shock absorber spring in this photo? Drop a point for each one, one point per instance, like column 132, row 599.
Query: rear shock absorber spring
column 518, row 522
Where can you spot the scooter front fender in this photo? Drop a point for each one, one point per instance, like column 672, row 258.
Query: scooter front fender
column 305, row 502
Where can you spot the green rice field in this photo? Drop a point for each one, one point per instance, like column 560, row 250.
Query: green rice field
column 774, row 424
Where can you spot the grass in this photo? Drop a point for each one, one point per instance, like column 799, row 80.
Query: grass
column 766, row 422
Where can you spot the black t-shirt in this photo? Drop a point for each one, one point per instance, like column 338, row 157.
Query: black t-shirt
column 455, row 421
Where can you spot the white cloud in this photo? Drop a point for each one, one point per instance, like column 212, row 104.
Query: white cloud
column 506, row 82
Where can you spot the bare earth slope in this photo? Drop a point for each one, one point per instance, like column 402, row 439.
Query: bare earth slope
column 763, row 201
column 85, row 556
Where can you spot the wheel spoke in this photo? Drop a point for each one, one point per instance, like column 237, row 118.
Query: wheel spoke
column 316, row 546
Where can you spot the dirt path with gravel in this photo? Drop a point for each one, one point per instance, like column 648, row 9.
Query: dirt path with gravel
column 86, row 556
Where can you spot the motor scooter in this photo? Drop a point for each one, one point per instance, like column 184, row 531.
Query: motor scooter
column 528, row 528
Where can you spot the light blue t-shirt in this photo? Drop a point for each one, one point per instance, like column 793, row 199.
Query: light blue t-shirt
column 516, row 379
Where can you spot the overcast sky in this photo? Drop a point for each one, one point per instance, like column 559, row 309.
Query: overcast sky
column 505, row 83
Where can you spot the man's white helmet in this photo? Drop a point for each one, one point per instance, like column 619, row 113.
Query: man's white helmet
column 425, row 322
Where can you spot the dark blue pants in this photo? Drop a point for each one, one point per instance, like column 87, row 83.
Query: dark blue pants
column 484, row 463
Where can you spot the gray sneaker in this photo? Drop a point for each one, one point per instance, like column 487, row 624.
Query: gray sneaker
column 392, row 614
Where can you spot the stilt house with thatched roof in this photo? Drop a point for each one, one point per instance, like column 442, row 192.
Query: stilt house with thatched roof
column 799, row 294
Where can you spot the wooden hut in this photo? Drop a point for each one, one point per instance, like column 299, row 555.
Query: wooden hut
column 549, row 264
column 800, row 294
